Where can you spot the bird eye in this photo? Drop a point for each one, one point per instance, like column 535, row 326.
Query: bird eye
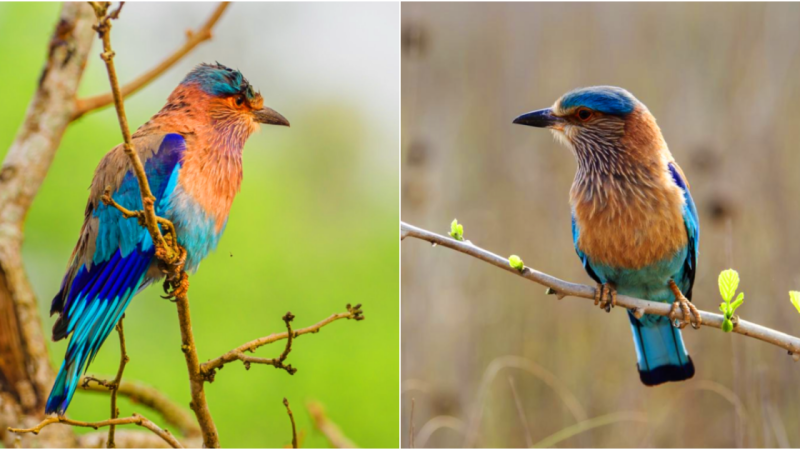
column 584, row 114
column 239, row 100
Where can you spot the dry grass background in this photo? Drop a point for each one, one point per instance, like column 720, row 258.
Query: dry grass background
column 722, row 80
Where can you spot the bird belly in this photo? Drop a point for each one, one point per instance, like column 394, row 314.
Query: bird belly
column 196, row 229
column 650, row 282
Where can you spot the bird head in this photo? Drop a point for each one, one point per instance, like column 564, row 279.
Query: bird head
column 598, row 122
column 232, row 97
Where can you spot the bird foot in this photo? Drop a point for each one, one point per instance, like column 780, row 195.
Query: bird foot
column 605, row 295
column 176, row 288
column 690, row 314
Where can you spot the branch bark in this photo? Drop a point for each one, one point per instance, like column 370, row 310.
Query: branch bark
column 114, row 386
column 563, row 288
column 291, row 419
column 208, row 368
column 25, row 372
column 135, row 419
column 194, row 38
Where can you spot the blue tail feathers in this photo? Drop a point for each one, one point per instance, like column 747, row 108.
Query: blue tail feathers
column 660, row 352
column 90, row 312
column 63, row 390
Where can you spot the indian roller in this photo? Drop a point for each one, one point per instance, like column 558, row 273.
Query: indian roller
column 634, row 223
column 192, row 155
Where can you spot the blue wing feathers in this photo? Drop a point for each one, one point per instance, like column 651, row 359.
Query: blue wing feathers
column 94, row 300
column 692, row 223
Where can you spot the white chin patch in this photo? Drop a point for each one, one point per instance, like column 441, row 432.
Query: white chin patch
column 561, row 137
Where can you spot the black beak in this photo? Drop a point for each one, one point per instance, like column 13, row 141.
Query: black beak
column 543, row 118
column 270, row 117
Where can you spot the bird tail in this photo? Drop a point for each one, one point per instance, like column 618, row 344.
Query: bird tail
column 660, row 352
column 64, row 388
column 96, row 302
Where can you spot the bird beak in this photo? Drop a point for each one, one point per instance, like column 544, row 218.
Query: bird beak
column 543, row 118
column 270, row 117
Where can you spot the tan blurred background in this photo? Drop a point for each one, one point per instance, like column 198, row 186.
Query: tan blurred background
column 722, row 80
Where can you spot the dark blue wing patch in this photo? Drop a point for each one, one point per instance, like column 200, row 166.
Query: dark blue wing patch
column 692, row 224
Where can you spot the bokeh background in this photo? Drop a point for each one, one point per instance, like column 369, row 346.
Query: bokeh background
column 722, row 81
column 314, row 227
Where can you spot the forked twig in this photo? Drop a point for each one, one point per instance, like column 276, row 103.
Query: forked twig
column 208, row 369
column 135, row 419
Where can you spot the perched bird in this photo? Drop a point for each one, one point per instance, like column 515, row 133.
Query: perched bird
column 192, row 155
column 634, row 223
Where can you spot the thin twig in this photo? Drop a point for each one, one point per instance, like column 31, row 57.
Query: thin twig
column 276, row 362
column 114, row 386
column 208, row 369
column 135, row 419
column 194, row 38
column 291, row 419
column 139, row 393
column 563, row 288
column 103, row 28
column 330, row 430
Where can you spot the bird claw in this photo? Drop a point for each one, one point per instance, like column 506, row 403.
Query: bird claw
column 605, row 296
column 176, row 288
column 690, row 313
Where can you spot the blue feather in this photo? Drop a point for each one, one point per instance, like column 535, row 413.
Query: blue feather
column 606, row 99
column 99, row 294
column 220, row 81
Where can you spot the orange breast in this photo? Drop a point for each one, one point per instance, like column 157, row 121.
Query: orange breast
column 629, row 230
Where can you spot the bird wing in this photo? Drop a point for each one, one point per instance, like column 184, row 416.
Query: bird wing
column 576, row 232
column 113, row 254
column 692, row 230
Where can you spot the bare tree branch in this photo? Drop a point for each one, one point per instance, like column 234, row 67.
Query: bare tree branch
column 291, row 419
column 563, row 288
column 208, row 369
column 175, row 415
column 132, row 420
column 114, row 386
column 24, row 361
column 194, row 38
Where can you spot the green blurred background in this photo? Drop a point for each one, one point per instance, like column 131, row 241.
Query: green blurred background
column 722, row 80
column 314, row 227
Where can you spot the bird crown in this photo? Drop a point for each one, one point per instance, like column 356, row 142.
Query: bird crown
column 605, row 99
column 219, row 80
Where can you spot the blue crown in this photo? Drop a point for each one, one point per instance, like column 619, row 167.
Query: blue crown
column 605, row 99
column 219, row 80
